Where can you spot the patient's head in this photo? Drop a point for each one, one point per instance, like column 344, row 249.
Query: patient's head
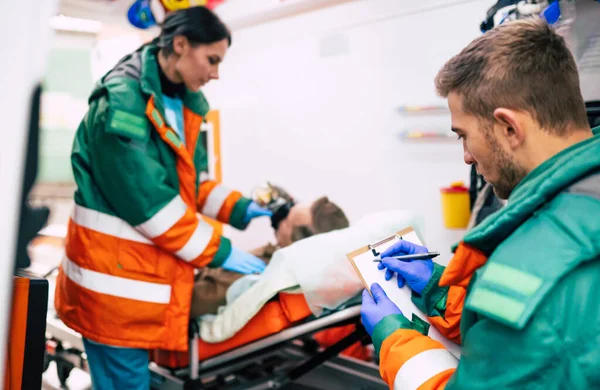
column 305, row 220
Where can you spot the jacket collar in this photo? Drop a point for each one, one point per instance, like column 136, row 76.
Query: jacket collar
column 150, row 83
column 541, row 185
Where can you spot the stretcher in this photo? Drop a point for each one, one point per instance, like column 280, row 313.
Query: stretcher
column 274, row 350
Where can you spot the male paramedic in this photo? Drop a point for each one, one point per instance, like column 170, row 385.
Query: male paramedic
column 135, row 237
column 518, row 295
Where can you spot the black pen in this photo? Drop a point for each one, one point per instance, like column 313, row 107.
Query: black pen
column 417, row 256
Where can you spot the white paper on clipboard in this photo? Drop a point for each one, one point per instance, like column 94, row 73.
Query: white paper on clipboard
column 362, row 260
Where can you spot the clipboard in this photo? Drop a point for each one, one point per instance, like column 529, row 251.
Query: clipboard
column 376, row 249
column 368, row 272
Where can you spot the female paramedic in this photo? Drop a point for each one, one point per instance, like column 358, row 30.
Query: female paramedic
column 135, row 237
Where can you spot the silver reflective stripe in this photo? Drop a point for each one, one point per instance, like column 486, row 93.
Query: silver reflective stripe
column 422, row 367
column 164, row 219
column 215, row 201
column 117, row 286
column 107, row 224
column 197, row 242
column 203, row 176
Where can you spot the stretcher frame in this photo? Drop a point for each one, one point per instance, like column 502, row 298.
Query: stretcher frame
column 293, row 356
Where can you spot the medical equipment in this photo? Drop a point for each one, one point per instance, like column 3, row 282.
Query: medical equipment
column 274, row 199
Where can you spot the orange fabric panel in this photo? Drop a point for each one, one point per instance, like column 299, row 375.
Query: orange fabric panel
column 205, row 190
column 227, row 207
column 294, row 306
column 214, row 118
column 329, row 337
column 218, row 226
column 465, row 262
column 178, row 235
column 186, row 171
column 129, row 323
column 209, row 253
column 269, row 320
column 398, row 348
column 17, row 333
column 439, row 381
column 113, row 256
column 191, row 125
column 449, row 324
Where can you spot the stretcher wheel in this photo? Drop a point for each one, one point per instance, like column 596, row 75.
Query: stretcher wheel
column 63, row 370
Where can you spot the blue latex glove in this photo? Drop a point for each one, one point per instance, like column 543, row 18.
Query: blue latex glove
column 375, row 308
column 254, row 211
column 415, row 273
column 243, row 262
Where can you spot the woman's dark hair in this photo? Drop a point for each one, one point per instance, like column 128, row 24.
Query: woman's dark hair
column 198, row 24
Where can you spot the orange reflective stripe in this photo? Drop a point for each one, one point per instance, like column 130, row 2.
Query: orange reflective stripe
column 400, row 347
column 460, row 269
column 449, row 323
column 439, row 381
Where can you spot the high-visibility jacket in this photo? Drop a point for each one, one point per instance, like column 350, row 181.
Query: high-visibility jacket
column 519, row 293
column 136, row 234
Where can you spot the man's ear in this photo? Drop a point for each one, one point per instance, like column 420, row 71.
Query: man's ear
column 511, row 126
column 180, row 45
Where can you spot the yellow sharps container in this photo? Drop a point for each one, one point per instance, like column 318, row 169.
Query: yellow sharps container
column 456, row 205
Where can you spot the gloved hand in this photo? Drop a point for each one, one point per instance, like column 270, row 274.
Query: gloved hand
column 375, row 308
column 415, row 272
column 243, row 262
column 254, row 211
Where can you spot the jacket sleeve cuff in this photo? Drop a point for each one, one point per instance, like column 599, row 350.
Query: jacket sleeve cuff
column 238, row 213
column 432, row 300
column 388, row 325
column 222, row 253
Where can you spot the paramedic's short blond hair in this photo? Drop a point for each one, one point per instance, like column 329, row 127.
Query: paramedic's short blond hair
column 521, row 65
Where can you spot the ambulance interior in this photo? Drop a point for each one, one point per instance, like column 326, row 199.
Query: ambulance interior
column 324, row 97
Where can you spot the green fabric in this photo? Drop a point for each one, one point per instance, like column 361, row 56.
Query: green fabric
column 238, row 213
column 171, row 136
column 128, row 125
column 388, row 325
column 432, row 294
column 121, row 165
column 511, row 278
column 531, row 318
column 500, row 306
column 543, row 183
column 222, row 253
column 420, row 325
column 596, row 130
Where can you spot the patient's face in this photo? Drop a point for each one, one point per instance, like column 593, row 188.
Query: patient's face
column 299, row 215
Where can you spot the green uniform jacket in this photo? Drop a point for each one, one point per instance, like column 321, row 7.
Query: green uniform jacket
column 525, row 281
column 144, row 215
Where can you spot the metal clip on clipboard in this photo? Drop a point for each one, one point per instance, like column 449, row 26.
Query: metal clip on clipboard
column 373, row 247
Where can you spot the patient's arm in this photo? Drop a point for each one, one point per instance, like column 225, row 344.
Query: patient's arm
column 265, row 252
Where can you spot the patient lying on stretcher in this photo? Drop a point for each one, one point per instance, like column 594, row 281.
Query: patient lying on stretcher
column 302, row 221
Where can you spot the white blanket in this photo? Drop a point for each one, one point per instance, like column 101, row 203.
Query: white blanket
column 316, row 267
